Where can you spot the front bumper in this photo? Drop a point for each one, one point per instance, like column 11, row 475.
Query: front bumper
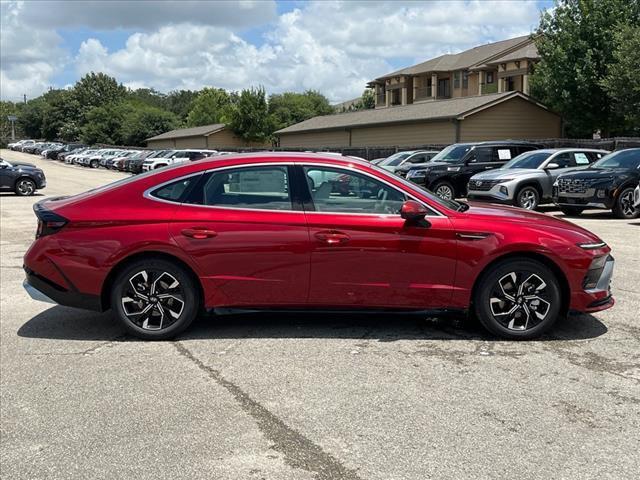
column 599, row 297
column 592, row 198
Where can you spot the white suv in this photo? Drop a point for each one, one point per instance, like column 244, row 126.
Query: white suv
column 177, row 157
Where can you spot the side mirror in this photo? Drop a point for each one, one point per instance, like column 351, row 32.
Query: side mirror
column 413, row 211
column 552, row 166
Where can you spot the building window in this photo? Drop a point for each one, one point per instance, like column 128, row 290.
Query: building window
column 489, row 77
column 456, row 79
column 465, row 79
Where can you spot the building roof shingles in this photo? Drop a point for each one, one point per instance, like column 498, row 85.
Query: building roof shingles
column 431, row 110
column 189, row 132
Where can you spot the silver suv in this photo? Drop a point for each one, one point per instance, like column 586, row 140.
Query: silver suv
column 527, row 180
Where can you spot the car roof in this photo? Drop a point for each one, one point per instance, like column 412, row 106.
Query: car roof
column 277, row 157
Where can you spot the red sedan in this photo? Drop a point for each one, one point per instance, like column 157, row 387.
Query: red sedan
column 290, row 231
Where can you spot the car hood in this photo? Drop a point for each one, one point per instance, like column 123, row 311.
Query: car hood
column 24, row 165
column 493, row 213
column 597, row 173
column 504, row 173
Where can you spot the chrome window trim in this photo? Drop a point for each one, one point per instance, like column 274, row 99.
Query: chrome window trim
column 147, row 193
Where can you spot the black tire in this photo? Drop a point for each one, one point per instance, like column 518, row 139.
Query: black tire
column 94, row 164
column 623, row 207
column 441, row 187
column 505, row 306
column 25, row 187
column 528, row 197
column 178, row 309
column 571, row 211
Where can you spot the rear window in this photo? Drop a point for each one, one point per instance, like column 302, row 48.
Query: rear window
column 175, row 191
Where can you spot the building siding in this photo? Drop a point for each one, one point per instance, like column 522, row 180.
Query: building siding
column 160, row 144
column 216, row 141
column 419, row 133
column 515, row 118
column 331, row 138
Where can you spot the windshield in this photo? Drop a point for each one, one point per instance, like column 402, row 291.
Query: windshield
column 452, row 153
column 620, row 159
column 528, row 160
column 394, row 159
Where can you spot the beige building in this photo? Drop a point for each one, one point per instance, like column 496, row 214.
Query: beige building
column 478, row 94
column 497, row 67
column 215, row 137
column 497, row 116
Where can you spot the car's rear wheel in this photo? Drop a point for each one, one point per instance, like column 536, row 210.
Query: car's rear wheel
column 444, row 190
column 528, row 198
column 572, row 211
column 155, row 299
column 518, row 299
column 25, row 187
column 94, row 164
column 624, row 205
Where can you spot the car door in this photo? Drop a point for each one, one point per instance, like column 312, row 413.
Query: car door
column 6, row 175
column 477, row 160
column 364, row 254
column 241, row 227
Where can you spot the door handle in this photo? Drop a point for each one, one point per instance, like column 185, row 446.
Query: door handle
column 332, row 237
column 199, row 233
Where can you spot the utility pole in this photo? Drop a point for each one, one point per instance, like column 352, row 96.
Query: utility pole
column 12, row 119
column 24, row 96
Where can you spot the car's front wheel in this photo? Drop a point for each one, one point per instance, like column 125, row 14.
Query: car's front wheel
column 624, row 205
column 528, row 198
column 155, row 299
column 444, row 190
column 25, row 187
column 518, row 299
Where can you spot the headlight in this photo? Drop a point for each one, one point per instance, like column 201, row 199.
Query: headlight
column 505, row 180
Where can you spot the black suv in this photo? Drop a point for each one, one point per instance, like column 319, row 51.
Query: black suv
column 22, row 178
column 607, row 184
column 448, row 173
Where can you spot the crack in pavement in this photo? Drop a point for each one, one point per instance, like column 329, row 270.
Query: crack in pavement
column 298, row 450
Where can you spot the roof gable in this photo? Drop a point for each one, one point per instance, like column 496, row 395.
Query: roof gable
column 204, row 130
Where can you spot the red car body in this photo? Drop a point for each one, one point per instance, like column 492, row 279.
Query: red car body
column 298, row 258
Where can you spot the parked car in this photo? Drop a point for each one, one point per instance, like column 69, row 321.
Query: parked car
column 527, row 180
column 250, row 231
column 134, row 164
column 62, row 156
column 406, row 159
column 23, row 178
column 19, row 144
column 448, row 173
column 607, row 184
column 31, row 148
column 44, row 150
column 54, row 152
column 176, row 157
column 110, row 163
column 75, row 158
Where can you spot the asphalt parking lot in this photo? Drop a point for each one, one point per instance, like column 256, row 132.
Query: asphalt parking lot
column 312, row 396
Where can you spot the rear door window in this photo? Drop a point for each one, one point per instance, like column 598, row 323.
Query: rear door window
column 564, row 160
column 502, row 154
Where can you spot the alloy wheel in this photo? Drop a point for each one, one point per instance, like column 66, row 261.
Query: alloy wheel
column 444, row 191
column 520, row 301
column 25, row 187
column 626, row 203
column 153, row 299
column 528, row 199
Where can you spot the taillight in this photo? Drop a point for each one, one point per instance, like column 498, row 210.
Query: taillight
column 48, row 222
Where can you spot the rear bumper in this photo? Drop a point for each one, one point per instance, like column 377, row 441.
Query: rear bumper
column 44, row 290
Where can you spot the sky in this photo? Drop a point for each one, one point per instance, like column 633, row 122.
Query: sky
column 333, row 47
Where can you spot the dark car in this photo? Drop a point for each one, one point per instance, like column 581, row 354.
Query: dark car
column 607, row 184
column 55, row 152
column 448, row 173
column 33, row 147
column 22, row 178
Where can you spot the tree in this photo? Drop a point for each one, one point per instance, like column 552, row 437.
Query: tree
column 367, row 101
column 289, row 107
column 622, row 82
column 102, row 124
column 60, row 115
column 249, row 116
column 97, row 90
column 210, row 106
column 576, row 43
column 180, row 102
column 7, row 109
column 143, row 121
column 149, row 96
column 30, row 119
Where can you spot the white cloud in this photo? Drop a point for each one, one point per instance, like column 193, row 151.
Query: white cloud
column 334, row 47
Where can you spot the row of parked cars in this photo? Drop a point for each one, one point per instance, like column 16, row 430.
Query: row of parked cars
column 527, row 175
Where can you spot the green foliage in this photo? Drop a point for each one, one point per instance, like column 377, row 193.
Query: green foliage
column 288, row 108
column 142, row 122
column 102, row 124
column 31, row 117
column 367, row 101
column 209, row 107
column 249, row 116
column 6, row 109
column 149, row 96
column 59, row 116
column 97, row 90
column 180, row 103
column 622, row 82
column 576, row 43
